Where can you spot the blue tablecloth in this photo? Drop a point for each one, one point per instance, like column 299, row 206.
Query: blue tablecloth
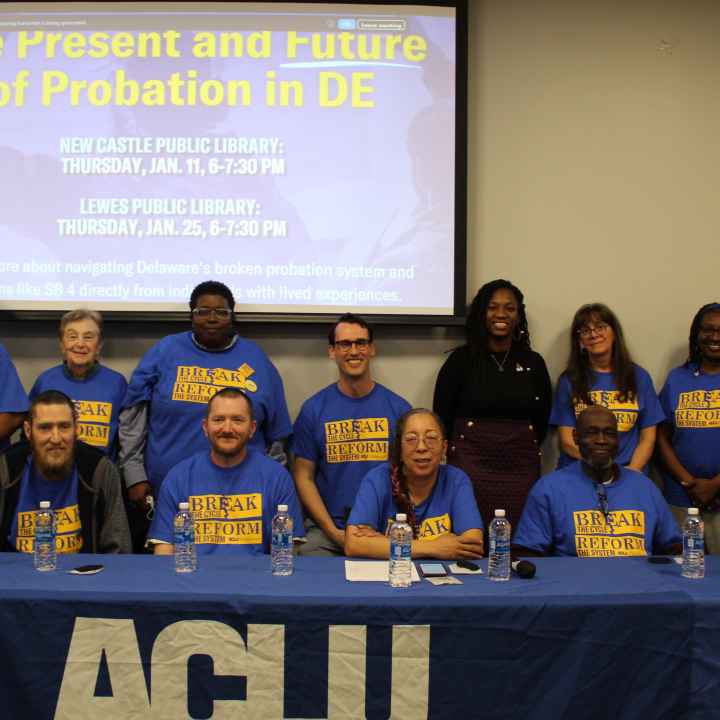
column 583, row 639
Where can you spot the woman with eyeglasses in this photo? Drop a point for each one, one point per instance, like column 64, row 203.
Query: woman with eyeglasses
column 166, row 400
column 96, row 390
column 437, row 499
column 600, row 371
column 689, row 439
column 494, row 395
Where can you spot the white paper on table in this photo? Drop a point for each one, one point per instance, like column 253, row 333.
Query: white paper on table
column 372, row 571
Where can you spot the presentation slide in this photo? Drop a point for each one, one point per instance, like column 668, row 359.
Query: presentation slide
column 302, row 153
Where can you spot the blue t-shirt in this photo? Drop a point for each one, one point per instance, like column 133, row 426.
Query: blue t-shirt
column 233, row 507
column 97, row 397
column 632, row 415
column 691, row 402
column 177, row 378
column 63, row 497
column 563, row 516
column 450, row 508
column 12, row 394
column 345, row 437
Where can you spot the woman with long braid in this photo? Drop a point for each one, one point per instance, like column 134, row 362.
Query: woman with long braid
column 437, row 499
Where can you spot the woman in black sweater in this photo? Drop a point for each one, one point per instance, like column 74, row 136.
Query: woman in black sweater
column 494, row 396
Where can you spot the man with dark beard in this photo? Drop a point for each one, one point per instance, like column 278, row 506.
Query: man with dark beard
column 82, row 485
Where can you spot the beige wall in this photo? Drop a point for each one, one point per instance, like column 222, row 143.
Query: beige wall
column 593, row 169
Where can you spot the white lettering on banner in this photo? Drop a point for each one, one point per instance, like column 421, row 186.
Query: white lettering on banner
column 410, row 691
column 410, row 672
column 117, row 639
column 347, row 650
column 262, row 662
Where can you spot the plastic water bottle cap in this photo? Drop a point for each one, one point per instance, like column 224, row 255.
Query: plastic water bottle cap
column 282, row 508
column 184, row 505
column 44, row 504
column 691, row 511
column 499, row 513
column 401, row 517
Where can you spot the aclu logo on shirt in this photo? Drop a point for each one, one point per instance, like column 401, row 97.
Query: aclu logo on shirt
column 622, row 536
column 698, row 409
column 94, row 421
column 430, row 528
column 67, row 527
column 199, row 384
column 227, row 519
column 357, row 440
column 625, row 412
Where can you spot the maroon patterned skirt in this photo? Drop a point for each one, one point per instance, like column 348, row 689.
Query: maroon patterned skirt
column 503, row 461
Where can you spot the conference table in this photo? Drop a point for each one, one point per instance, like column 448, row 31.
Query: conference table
column 583, row 639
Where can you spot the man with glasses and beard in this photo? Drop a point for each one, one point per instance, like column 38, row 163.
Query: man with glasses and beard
column 341, row 433
column 82, row 485
column 595, row 508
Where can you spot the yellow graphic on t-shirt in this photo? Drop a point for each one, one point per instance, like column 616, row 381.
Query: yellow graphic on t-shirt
column 357, row 440
column 67, row 530
column 622, row 535
column 199, row 384
column 698, row 409
column 625, row 411
column 227, row 519
column 430, row 528
column 94, row 421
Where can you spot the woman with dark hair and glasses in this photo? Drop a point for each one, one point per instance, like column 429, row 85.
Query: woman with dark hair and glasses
column 494, row 395
column 161, row 423
column 436, row 498
column 600, row 371
column 689, row 439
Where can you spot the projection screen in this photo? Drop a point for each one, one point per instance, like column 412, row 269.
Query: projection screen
column 308, row 155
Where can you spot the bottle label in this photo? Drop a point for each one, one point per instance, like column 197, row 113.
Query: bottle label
column 400, row 551
column 282, row 541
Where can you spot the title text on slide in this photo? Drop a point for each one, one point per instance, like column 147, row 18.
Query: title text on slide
column 187, row 88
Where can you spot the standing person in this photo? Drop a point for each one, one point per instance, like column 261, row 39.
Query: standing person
column 494, row 396
column 96, row 390
column 161, row 421
column 341, row 433
column 600, row 371
column 689, row 439
column 233, row 490
column 13, row 400
column 436, row 498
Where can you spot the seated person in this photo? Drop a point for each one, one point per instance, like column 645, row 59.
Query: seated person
column 233, row 490
column 13, row 400
column 595, row 507
column 437, row 499
column 82, row 485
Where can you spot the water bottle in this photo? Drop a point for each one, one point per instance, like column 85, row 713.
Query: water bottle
column 281, row 551
column 401, row 537
column 185, row 554
column 693, row 565
column 499, row 555
column 45, row 551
